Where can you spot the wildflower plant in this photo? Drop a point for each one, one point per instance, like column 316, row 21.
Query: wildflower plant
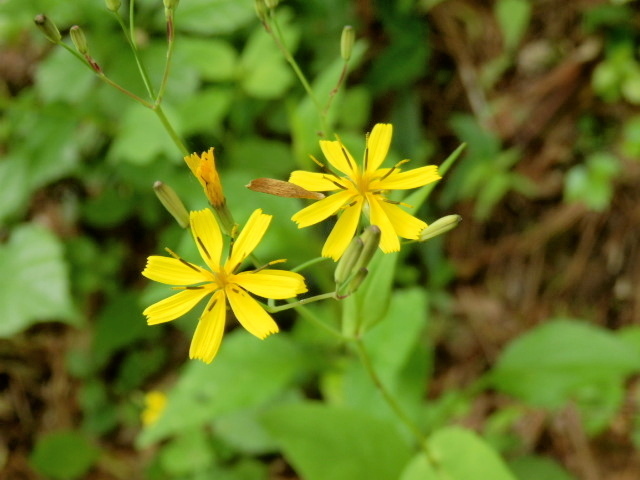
column 373, row 224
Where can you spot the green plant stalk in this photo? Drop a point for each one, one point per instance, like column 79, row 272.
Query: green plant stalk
column 170, row 130
column 134, row 49
column 276, row 33
column 302, row 301
column 392, row 401
column 167, row 65
column 309, row 263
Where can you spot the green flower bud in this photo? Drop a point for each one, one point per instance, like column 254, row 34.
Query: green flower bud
column 271, row 3
column 261, row 10
column 113, row 5
column 171, row 4
column 371, row 240
column 357, row 280
column 170, row 200
column 344, row 269
column 79, row 40
column 440, row 226
column 346, row 42
column 46, row 26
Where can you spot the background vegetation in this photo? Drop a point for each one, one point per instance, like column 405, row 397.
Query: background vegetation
column 521, row 325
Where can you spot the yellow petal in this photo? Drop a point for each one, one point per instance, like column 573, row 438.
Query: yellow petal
column 405, row 224
column 378, row 145
column 193, row 161
column 175, row 306
column 208, row 335
column 410, row 179
column 276, row 284
column 249, row 312
column 248, row 239
column 339, row 157
column 322, row 209
column 315, row 182
column 172, row 271
column 342, row 232
column 388, row 238
column 206, row 234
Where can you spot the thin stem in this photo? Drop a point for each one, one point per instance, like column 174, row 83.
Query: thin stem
column 129, row 36
column 167, row 65
column 276, row 33
column 169, row 128
column 302, row 301
column 334, row 92
column 393, row 403
column 310, row 316
column 309, row 263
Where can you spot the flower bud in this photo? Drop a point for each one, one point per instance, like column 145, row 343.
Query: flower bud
column 344, row 269
column 357, row 280
column 371, row 240
column 170, row 200
column 440, row 226
column 79, row 40
column 261, row 10
column 346, row 42
column 113, row 5
column 46, row 26
column 271, row 3
column 171, row 4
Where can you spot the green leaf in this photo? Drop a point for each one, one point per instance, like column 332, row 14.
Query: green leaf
column 34, row 286
column 63, row 455
column 263, row 72
column 513, row 17
column 214, row 17
column 246, row 373
column 554, row 362
column 419, row 469
column 463, row 455
column 215, row 60
column 535, row 468
column 330, row 443
column 187, row 453
column 141, row 138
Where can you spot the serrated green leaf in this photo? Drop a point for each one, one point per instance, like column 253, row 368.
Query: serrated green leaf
column 330, row 443
column 34, row 285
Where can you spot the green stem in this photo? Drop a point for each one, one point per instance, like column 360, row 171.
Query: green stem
column 310, row 316
column 276, row 33
column 129, row 36
column 170, row 130
column 167, row 65
column 309, row 263
column 393, row 402
column 302, row 301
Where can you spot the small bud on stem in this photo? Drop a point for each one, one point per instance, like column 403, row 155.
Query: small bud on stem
column 170, row 200
column 346, row 42
column 46, row 26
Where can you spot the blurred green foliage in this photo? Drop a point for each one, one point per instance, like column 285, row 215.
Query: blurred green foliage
column 79, row 217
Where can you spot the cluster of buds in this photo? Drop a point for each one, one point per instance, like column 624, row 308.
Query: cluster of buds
column 351, row 269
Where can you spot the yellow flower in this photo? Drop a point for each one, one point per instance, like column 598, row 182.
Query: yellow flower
column 204, row 169
column 220, row 281
column 154, row 403
column 362, row 189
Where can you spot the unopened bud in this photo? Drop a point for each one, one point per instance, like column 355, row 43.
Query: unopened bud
column 171, row 4
column 46, row 26
column 357, row 280
column 371, row 240
column 348, row 260
column 79, row 40
column 346, row 42
column 113, row 5
column 440, row 226
column 271, row 3
column 170, row 200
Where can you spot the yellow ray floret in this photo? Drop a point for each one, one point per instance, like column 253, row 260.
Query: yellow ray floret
column 222, row 282
column 362, row 188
